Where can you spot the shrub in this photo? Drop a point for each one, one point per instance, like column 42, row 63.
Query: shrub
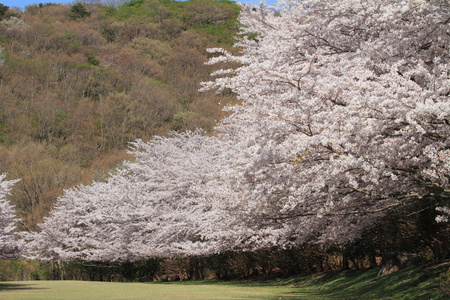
column 78, row 11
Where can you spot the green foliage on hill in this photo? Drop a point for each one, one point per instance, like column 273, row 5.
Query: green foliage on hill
column 3, row 10
column 77, row 84
column 78, row 11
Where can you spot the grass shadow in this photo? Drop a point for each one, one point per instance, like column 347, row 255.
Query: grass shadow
column 419, row 282
column 409, row 283
column 8, row 286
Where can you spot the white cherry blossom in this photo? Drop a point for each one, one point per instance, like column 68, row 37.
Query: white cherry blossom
column 9, row 247
column 339, row 101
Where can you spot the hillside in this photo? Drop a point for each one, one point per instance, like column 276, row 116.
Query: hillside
column 78, row 83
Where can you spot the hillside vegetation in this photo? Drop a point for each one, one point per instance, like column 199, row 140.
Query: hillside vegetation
column 77, row 83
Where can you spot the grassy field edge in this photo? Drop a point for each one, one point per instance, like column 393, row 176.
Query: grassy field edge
column 420, row 282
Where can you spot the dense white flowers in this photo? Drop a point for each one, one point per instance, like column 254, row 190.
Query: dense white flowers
column 8, row 242
column 442, row 218
column 340, row 99
column 344, row 115
column 148, row 208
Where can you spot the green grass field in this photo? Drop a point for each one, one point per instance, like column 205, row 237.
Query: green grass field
column 412, row 283
column 106, row 290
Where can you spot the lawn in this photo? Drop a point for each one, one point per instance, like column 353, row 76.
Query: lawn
column 412, row 283
column 107, row 290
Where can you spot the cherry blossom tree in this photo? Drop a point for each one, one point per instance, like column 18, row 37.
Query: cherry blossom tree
column 146, row 209
column 9, row 247
column 340, row 99
column 344, row 116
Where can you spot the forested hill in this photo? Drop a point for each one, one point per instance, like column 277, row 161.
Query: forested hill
column 78, row 82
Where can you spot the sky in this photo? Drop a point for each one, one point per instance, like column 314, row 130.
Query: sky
column 22, row 3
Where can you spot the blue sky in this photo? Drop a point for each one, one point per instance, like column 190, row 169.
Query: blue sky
column 22, row 3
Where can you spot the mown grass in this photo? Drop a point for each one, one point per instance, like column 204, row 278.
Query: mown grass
column 412, row 283
column 107, row 290
column 422, row 282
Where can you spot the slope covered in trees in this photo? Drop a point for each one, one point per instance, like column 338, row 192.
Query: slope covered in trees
column 78, row 83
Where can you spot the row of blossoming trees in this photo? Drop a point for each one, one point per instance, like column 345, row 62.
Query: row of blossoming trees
column 344, row 117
